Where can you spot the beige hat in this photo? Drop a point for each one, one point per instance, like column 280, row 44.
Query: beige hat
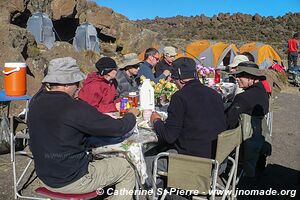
column 169, row 51
column 237, row 60
column 130, row 59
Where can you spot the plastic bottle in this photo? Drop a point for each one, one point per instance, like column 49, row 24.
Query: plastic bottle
column 147, row 95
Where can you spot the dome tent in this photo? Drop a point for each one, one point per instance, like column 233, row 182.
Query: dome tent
column 217, row 54
column 86, row 38
column 263, row 54
column 195, row 48
column 41, row 27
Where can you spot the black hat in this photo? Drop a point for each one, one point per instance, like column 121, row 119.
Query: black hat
column 105, row 65
column 184, row 68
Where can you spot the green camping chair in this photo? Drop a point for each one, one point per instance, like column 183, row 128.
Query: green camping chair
column 201, row 174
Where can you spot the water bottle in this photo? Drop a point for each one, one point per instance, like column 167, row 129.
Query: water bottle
column 147, row 96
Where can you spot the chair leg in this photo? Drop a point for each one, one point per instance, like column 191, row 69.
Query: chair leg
column 234, row 182
column 231, row 173
column 214, row 182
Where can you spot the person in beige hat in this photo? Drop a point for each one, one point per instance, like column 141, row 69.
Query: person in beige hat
column 58, row 126
column 166, row 63
column 237, row 60
column 127, row 75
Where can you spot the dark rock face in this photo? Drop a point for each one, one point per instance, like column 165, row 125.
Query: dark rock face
column 117, row 34
column 237, row 28
column 65, row 12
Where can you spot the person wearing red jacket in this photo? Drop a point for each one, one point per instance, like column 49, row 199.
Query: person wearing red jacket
column 293, row 45
column 99, row 89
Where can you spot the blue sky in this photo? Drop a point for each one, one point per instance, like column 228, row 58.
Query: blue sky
column 142, row 9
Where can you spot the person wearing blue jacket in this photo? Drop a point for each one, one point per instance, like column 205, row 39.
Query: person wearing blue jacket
column 151, row 58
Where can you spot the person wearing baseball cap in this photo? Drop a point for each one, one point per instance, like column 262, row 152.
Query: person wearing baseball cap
column 58, row 126
column 195, row 115
column 166, row 63
column 99, row 89
column 127, row 75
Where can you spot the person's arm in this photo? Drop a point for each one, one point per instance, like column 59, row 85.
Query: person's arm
column 89, row 121
column 169, row 131
column 147, row 72
column 238, row 106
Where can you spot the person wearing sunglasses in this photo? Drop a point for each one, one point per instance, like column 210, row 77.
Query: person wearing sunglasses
column 151, row 58
column 166, row 63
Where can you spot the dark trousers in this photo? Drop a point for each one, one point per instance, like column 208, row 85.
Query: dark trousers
column 292, row 59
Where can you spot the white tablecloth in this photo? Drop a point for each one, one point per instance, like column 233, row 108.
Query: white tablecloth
column 131, row 149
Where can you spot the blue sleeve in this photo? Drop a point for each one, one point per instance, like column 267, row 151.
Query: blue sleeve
column 147, row 72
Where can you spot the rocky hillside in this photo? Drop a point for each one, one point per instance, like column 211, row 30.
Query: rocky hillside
column 237, row 28
column 117, row 34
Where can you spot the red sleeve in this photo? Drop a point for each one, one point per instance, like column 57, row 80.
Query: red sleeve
column 267, row 86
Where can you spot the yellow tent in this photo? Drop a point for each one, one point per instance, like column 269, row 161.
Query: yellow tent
column 217, row 54
column 195, row 48
column 264, row 54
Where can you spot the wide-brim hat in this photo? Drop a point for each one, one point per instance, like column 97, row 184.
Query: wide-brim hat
column 130, row 59
column 249, row 68
column 63, row 71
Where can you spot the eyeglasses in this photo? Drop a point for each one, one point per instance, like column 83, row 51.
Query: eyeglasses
column 171, row 56
column 156, row 58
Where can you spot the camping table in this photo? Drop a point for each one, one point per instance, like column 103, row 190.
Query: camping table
column 5, row 103
column 132, row 149
column 6, row 100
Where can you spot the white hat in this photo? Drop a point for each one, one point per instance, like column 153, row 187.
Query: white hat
column 169, row 51
column 237, row 60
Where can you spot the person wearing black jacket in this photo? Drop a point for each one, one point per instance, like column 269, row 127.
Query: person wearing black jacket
column 254, row 102
column 166, row 63
column 195, row 115
column 58, row 125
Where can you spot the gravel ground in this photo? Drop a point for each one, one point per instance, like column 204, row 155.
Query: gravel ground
column 282, row 172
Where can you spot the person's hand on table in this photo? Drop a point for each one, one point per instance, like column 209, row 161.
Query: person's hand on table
column 134, row 111
column 155, row 116
column 118, row 106
column 166, row 72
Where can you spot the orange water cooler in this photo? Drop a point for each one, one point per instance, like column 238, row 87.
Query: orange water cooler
column 15, row 79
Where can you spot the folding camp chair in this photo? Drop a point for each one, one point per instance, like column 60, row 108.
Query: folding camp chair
column 201, row 174
column 269, row 116
column 20, row 132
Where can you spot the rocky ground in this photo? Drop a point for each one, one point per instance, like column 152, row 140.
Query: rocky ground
column 282, row 172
